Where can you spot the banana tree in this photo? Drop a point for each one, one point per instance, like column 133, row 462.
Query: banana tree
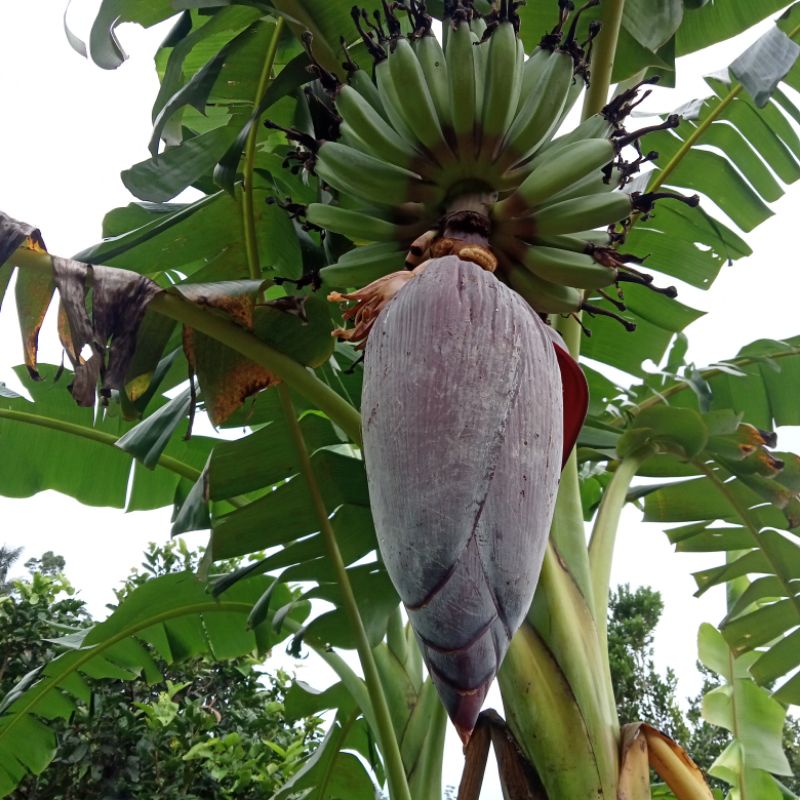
column 419, row 166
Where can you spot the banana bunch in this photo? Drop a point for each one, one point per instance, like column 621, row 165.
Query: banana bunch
column 459, row 140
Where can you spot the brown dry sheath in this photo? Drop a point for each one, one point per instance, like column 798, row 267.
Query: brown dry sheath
column 463, row 438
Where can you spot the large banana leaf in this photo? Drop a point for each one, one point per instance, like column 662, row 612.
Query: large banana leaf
column 47, row 443
column 745, row 123
column 170, row 618
column 654, row 34
column 737, row 496
column 754, row 719
column 750, row 139
column 214, row 68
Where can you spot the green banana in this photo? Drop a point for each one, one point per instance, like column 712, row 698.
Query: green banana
column 463, row 99
column 362, row 265
column 416, row 105
column 565, row 266
column 390, row 99
column 594, row 127
column 362, row 175
column 355, row 225
column 369, row 126
column 434, row 66
column 580, row 213
column 478, row 27
column 555, row 175
column 575, row 90
column 581, row 242
column 370, row 252
column 593, row 183
column 479, row 57
column 502, row 86
column 541, row 112
column 362, row 82
column 349, row 137
column 543, row 296
column 533, row 73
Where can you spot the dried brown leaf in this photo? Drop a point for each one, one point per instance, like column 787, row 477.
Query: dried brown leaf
column 666, row 757
column 34, row 291
column 104, row 307
column 634, row 769
column 226, row 377
column 14, row 234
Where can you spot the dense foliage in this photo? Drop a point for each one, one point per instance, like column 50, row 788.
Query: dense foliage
column 209, row 729
column 225, row 287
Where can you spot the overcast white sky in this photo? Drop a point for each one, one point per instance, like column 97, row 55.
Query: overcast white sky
column 68, row 130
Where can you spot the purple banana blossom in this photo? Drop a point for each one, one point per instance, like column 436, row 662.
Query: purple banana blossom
column 464, row 435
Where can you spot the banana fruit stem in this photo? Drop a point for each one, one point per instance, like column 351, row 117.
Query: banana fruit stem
column 395, row 772
column 603, row 57
column 568, row 532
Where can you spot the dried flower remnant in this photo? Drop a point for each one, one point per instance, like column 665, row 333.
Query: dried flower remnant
column 368, row 302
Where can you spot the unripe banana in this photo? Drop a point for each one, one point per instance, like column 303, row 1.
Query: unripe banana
column 478, row 27
column 362, row 82
column 594, row 211
column 416, row 105
column 480, row 51
column 461, row 72
column 349, row 137
column 502, row 85
column 533, row 73
column 565, row 266
column 538, row 117
column 355, row 225
column 543, row 296
column 390, row 100
column 553, row 176
column 362, row 175
column 582, row 242
column 362, row 265
column 373, row 130
column 575, row 90
column 594, row 127
column 434, row 66
column 593, row 183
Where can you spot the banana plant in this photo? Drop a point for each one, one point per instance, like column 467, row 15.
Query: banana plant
column 417, row 166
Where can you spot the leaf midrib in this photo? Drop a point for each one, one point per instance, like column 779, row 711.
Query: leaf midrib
column 92, row 434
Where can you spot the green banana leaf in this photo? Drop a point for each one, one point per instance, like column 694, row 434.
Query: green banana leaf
column 756, row 141
column 750, row 137
column 754, row 719
column 654, row 34
column 171, row 618
column 34, row 431
column 737, row 496
column 330, row 771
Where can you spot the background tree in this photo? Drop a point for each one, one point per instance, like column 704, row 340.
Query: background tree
column 643, row 693
column 7, row 558
column 640, row 691
column 210, row 728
